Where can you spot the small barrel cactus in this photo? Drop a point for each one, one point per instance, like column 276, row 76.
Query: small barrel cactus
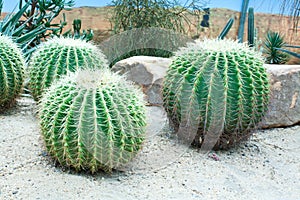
column 220, row 88
column 58, row 56
column 93, row 120
column 11, row 72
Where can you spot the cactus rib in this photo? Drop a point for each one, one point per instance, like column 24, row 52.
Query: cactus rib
column 220, row 86
column 11, row 72
column 90, row 122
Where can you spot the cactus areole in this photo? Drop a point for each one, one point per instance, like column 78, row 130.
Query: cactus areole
column 93, row 120
column 11, row 72
column 218, row 87
column 59, row 56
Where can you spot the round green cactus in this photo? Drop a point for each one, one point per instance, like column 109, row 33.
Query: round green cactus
column 58, row 56
column 218, row 88
column 93, row 120
column 11, row 72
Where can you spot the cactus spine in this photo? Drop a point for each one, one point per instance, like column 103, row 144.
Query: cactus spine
column 93, row 120
column 11, row 72
column 58, row 56
column 219, row 86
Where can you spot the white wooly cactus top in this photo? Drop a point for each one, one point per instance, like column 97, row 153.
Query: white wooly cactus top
column 9, row 42
column 93, row 79
column 68, row 42
column 71, row 42
column 217, row 45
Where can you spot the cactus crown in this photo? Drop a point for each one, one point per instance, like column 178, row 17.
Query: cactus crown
column 93, row 120
column 59, row 56
column 11, row 71
column 219, row 86
column 227, row 46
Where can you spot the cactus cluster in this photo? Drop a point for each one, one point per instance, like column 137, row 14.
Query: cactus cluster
column 92, row 120
column 11, row 71
column 218, row 86
column 58, row 56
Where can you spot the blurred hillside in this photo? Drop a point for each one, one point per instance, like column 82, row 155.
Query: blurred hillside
column 97, row 18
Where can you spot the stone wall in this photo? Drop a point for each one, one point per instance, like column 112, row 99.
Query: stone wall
column 284, row 107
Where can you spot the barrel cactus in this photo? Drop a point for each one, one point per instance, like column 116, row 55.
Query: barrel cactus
column 11, row 72
column 92, row 120
column 58, row 56
column 218, row 88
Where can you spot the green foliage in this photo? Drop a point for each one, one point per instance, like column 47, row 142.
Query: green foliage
column 32, row 23
column 93, row 120
column 171, row 15
column 274, row 41
column 297, row 55
column 85, row 35
column 57, row 57
column 220, row 88
column 149, row 42
column 143, row 14
column 11, row 72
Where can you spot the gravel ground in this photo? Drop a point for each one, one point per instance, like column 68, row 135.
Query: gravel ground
column 266, row 167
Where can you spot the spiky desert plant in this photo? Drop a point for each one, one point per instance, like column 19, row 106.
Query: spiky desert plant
column 11, row 71
column 58, row 56
column 93, row 120
column 274, row 41
column 32, row 22
column 297, row 55
column 218, row 88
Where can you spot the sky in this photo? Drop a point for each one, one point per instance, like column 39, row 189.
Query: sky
column 267, row 6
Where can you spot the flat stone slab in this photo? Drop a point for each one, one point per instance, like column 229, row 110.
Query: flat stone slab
column 284, row 107
column 147, row 72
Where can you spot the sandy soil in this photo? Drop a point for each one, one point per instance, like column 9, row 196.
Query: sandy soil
column 266, row 167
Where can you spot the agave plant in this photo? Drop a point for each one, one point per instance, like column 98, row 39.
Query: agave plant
column 272, row 43
column 297, row 55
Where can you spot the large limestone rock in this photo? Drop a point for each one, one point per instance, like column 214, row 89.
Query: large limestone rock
column 147, row 72
column 284, row 107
